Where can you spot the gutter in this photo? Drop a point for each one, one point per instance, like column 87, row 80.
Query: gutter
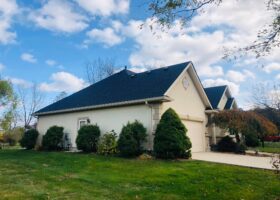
column 138, row 101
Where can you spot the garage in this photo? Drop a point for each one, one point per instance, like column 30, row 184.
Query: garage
column 196, row 133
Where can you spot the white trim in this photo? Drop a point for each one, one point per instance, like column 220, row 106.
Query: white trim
column 178, row 77
column 84, row 119
column 226, row 89
column 162, row 98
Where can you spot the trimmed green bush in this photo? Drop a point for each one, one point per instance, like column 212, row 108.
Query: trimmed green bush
column 252, row 140
column 87, row 138
column 29, row 139
column 131, row 139
column 226, row 144
column 107, row 144
column 170, row 139
column 52, row 140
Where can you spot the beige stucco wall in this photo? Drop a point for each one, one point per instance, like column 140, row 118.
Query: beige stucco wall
column 190, row 107
column 107, row 119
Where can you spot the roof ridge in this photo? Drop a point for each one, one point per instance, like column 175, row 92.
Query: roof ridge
column 160, row 68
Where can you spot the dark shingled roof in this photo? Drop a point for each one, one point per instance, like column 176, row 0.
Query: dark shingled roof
column 122, row 86
column 215, row 94
column 229, row 103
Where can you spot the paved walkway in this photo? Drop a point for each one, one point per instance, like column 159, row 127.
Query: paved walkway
column 234, row 159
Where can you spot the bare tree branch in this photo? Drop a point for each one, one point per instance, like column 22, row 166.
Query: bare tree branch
column 30, row 101
column 99, row 69
column 267, row 96
column 166, row 12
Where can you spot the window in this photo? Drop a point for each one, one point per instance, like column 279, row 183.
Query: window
column 83, row 122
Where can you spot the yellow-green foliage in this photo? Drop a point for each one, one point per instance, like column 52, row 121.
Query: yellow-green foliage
column 107, row 144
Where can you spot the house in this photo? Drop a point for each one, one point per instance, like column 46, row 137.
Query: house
column 221, row 99
column 128, row 96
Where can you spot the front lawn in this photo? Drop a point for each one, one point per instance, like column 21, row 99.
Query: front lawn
column 44, row 175
column 269, row 147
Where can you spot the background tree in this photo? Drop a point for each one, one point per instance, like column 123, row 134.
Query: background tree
column 166, row 12
column 272, row 114
column 9, row 103
column 30, row 100
column 99, row 69
column 60, row 96
column 267, row 95
column 6, row 92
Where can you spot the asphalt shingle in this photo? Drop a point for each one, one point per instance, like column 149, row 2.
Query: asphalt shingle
column 122, row 86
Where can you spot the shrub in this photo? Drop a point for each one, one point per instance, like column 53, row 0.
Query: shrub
column 52, row 140
column 170, row 139
column 87, row 139
column 252, row 140
column 226, row 144
column 240, row 148
column 131, row 139
column 107, row 144
column 29, row 139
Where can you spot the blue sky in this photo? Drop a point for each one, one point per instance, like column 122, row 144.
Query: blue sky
column 47, row 42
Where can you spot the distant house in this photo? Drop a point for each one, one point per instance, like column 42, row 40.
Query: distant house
column 221, row 99
column 128, row 96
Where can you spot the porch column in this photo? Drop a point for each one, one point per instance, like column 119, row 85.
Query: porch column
column 214, row 139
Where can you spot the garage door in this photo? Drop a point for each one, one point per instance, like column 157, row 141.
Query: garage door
column 196, row 133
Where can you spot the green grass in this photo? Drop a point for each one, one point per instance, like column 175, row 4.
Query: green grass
column 46, row 175
column 269, row 147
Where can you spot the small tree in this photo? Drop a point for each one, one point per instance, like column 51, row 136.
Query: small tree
column 29, row 139
column 238, row 121
column 87, row 139
column 170, row 139
column 52, row 140
column 131, row 139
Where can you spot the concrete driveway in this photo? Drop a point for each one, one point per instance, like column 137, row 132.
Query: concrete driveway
column 234, row 159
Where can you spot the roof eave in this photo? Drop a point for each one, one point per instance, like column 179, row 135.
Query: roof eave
column 123, row 103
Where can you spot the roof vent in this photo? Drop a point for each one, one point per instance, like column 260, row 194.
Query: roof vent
column 165, row 68
column 148, row 72
column 133, row 75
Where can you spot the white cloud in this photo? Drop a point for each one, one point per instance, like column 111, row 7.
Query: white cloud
column 106, row 7
column 278, row 76
column 20, row 82
column 63, row 81
column 50, row 62
column 8, row 8
column 175, row 46
column 2, row 66
column 106, row 36
column 237, row 76
column 28, row 57
column 249, row 74
column 234, row 87
column 271, row 67
column 59, row 16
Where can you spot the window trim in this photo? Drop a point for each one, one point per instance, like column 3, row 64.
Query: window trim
column 83, row 119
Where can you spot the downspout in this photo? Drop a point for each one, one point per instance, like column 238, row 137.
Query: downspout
column 149, row 140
